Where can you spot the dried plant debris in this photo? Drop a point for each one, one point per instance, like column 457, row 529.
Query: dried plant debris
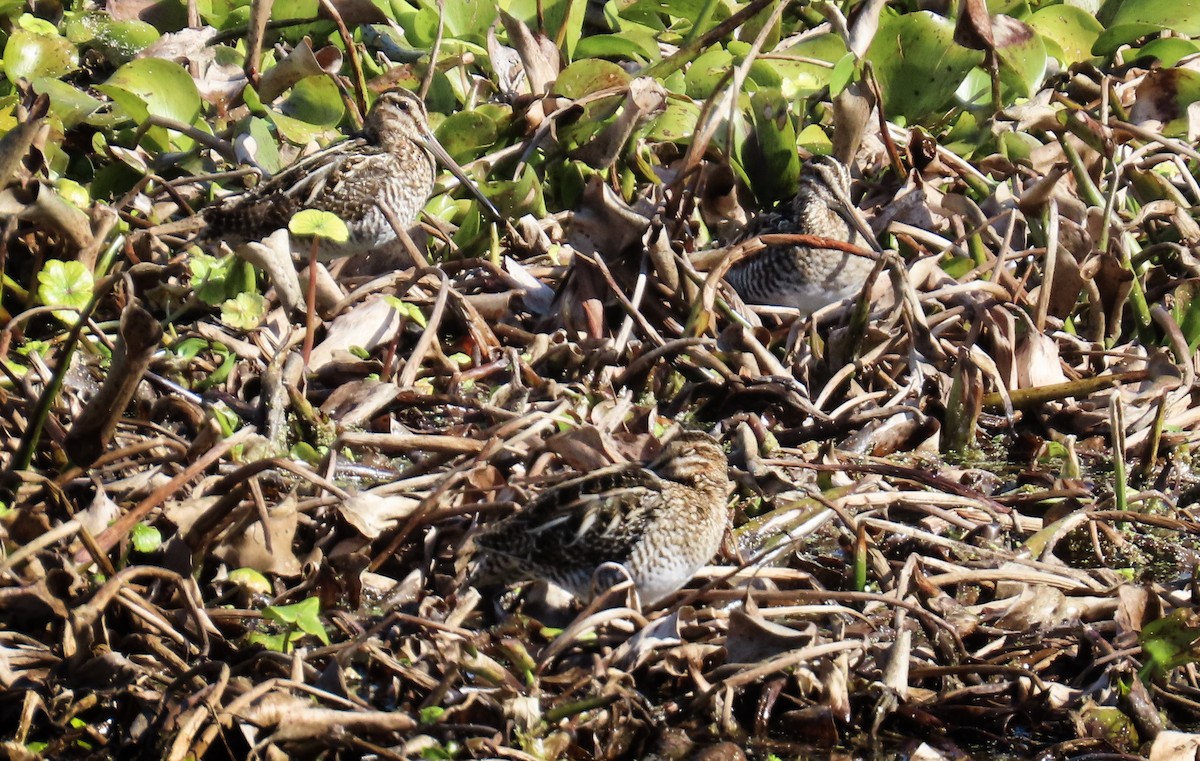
column 243, row 501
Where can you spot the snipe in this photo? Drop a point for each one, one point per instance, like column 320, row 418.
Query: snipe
column 389, row 165
column 661, row 522
column 799, row 276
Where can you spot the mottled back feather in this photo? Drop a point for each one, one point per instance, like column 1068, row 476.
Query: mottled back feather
column 799, row 276
column 385, row 164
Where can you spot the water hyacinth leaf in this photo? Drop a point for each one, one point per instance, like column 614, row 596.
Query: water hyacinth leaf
column 118, row 41
column 843, row 74
column 1114, row 37
column 688, row 10
column 707, row 71
column 162, row 88
column 519, row 197
column 266, row 153
column 1073, row 30
column 65, row 284
column 73, row 193
column 1180, row 16
column 29, row 55
column 918, row 64
column 1022, row 55
column 637, row 44
column 1169, row 50
column 467, row 19
column 280, row 9
column 676, row 123
column 563, row 20
column 769, row 154
column 584, row 77
column 320, row 224
column 69, row 104
column 297, row 131
column 814, row 140
column 465, row 135
column 315, row 100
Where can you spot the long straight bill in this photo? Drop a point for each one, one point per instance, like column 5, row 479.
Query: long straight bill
column 440, row 154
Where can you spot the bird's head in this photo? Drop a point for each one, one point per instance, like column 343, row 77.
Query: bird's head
column 692, row 458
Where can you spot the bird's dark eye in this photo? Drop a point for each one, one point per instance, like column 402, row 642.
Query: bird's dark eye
column 402, row 105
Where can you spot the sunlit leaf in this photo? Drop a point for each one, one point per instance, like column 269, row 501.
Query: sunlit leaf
column 1022, row 55
column 69, row 104
column 245, row 311
column 65, row 284
column 466, row 134
column 145, row 538
column 29, row 55
column 411, row 311
column 315, row 100
column 583, row 77
column 321, row 224
column 304, row 615
column 918, row 64
column 155, row 86
column 1072, row 29
column 251, row 580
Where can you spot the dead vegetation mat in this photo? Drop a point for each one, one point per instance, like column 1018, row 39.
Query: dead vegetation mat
column 964, row 512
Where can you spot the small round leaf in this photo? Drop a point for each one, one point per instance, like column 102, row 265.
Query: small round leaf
column 322, row 224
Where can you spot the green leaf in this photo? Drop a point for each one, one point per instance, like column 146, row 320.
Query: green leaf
column 145, row 538
column 518, row 197
column 30, row 55
column 315, row 100
column 707, row 71
column 843, row 74
column 637, row 44
column 320, row 224
column 918, row 64
column 1022, row 56
column 306, row 452
column 266, row 153
column 245, row 311
column 1169, row 50
column 156, row 86
column 1186, row 312
column 411, row 311
column 466, row 134
column 1114, row 37
column 1169, row 642
column 118, row 40
column 584, row 77
column 304, row 615
column 1073, row 29
column 1180, row 16
column 279, row 643
column 69, row 104
column 769, row 156
column 430, row 714
column 298, row 131
column 209, row 276
column 65, row 284
column 676, row 123
column 250, row 580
